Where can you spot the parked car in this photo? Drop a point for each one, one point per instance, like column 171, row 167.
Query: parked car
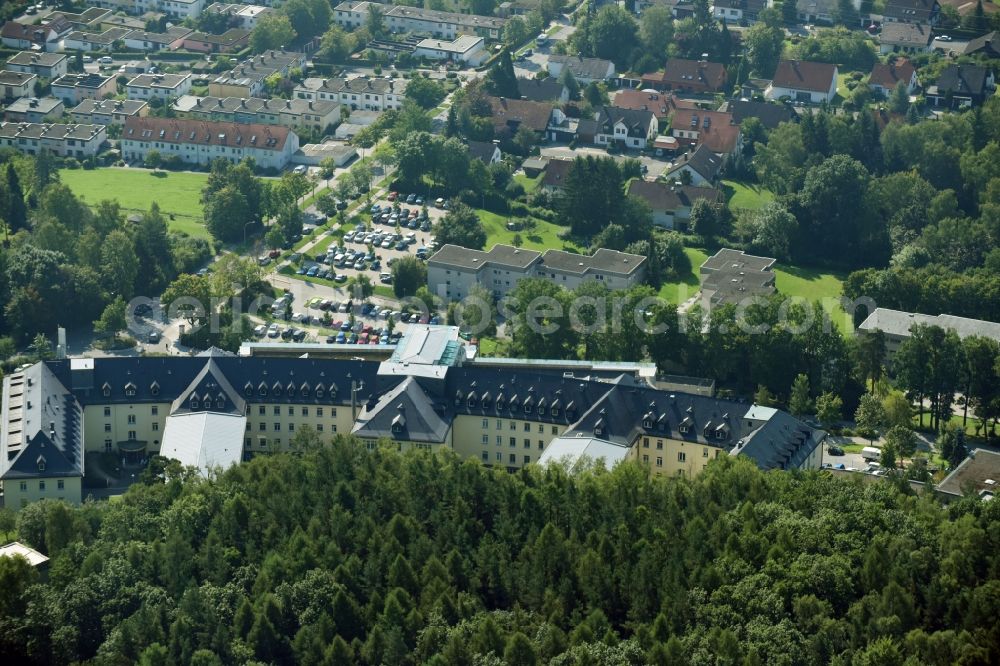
column 260, row 330
column 835, row 451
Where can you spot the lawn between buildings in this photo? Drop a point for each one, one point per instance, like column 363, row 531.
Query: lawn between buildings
column 178, row 193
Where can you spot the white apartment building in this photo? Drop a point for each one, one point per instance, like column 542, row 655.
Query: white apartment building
column 109, row 111
column 316, row 114
column 466, row 49
column 158, row 86
column 200, row 142
column 399, row 18
column 78, row 141
column 453, row 271
column 370, row 94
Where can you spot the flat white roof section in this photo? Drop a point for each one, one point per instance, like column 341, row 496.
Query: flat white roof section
column 206, row 440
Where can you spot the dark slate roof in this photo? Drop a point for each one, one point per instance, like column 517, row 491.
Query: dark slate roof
column 911, row 11
column 637, row 121
column 704, row 161
column 783, row 442
column 482, row 150
column 540, row 90
column 509, row 114
column 211, row 391
column 52, row 428
column 770, row 115
column 406, row 413
column 963, row 80
column 631, row 410
column 163, row 379
column 584, row 68
column 989, row 44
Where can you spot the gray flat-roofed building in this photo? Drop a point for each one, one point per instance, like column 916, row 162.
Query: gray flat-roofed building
column 33, row 109
column 730, row 276
column 453, row 271
column 48, row 65
column 896, row 325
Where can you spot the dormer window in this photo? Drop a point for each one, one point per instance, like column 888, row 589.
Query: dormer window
column 220, row 401
column 41, row 464
column 106, row 390
column 130, row 389
column 319, row 391
column 458, row 398
column 194, row 402
column 555, row 411
column 305, row 390
column 263, row 389
column 472, row 401
column 248, row 389
column 647, row 424
column 527, row 408
column 599, row 428
column 291, row 391
column 154, row 389
column 277, row 390
column 500, row 402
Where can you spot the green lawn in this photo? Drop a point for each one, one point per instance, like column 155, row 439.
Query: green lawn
column 813, row 284
column 685, row 288
column 529, row 184
column 543, row 237
column 177, row 193
column 745, row 195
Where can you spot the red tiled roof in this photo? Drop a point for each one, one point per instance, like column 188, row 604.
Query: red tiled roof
column 660, row 104
column 888, row 75
column 686, row 73
column 206, row 133
column 721, row 134
column 533, row 115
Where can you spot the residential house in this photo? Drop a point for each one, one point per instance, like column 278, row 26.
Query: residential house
column 978, row 475
column 701, row 167
column 905, row 38
column 548, row 89
column 509, row 115
column 234, row 39
column 74, row 88
column 885, row 77
column 31, row 37
column 534, row 166
column 714, row 129
column 163, row 87
column 911, row 11
column 45, row 65
column 453, row 271
column 109, row 111
column 671, row 203
column 987, row 45
column 171, row 40
column 128, row 22
column 732, row 276
column 90, row 19
column 803, row 81
column 295, row 113
column 555, row 174
column 34, row 558
column 770, row 115
column 896, row 326
column 737, row 11
column 487, row 152
column 79, row 40
column 80, row 141
column 628, row 128
column 16, row 84
column 215, row 409
column 585, row 70
column 821, row 11
column 240, row 16
column 661, row 105
column 33, row 109
column 200, row 142
column 690, row 76
column 470, row 50
column 247, row 78
column 438, row 24
column 961, row 85
column 362, row 92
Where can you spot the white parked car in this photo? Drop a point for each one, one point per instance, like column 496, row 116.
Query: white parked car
column 260, row 330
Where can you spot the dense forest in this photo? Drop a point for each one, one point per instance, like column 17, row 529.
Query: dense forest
column 335, row 554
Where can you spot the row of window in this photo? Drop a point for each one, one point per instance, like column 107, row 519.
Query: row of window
column 513, row 442
column 513, row 426
column 60, row 485
column 131, row 421
column 511, row 458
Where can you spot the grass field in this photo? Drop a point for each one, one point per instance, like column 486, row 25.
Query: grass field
column 543, row 237
column 812, row 284
column 685, row 288
column 177, row 193
column 744, row 195
column 529, row 184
